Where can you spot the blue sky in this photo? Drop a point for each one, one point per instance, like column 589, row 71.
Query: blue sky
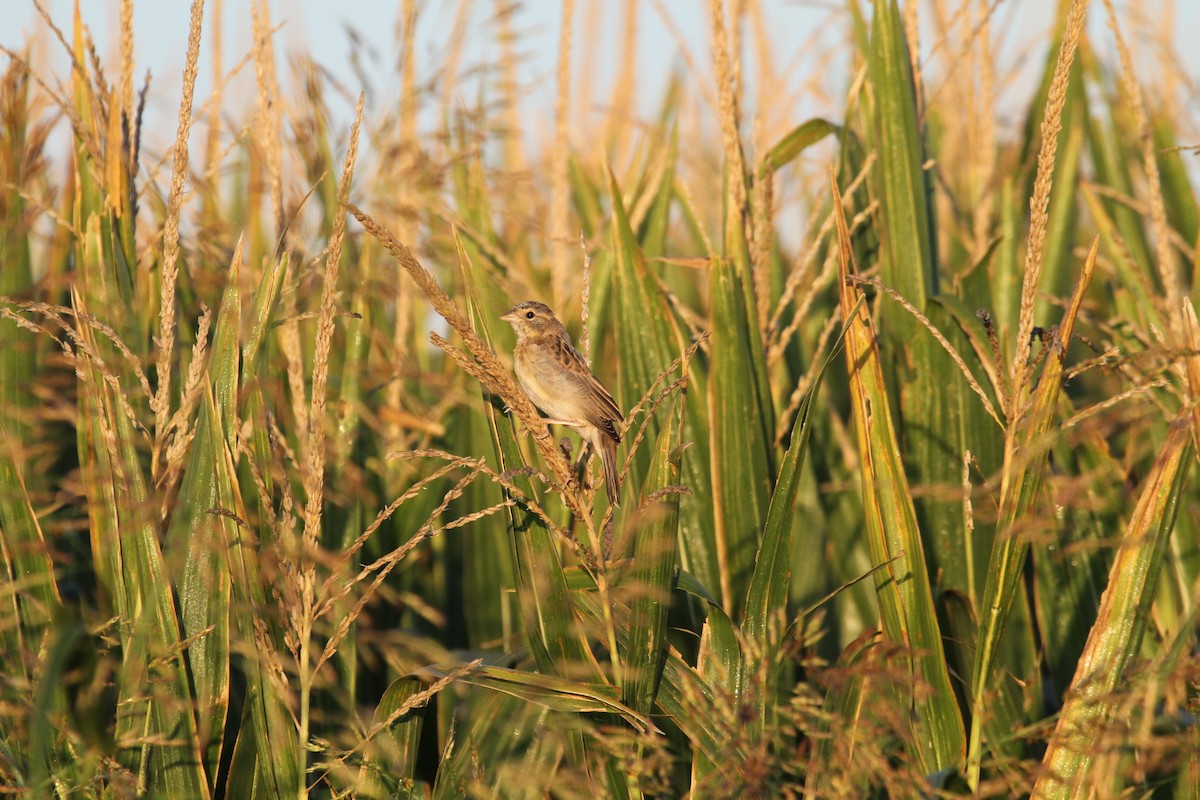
column 319, row 27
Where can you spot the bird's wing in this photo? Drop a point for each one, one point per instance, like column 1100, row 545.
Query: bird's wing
column 598, row 406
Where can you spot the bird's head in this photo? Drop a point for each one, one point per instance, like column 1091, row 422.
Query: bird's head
column 532, row 318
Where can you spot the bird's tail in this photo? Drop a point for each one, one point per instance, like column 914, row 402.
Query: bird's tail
column 608, row 458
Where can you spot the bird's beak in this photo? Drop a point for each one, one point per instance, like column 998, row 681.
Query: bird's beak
column 510, row 317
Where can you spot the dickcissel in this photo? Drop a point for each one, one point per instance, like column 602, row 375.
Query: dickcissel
column 557, row 380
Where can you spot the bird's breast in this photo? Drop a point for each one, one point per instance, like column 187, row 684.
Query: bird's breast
column 551, row 388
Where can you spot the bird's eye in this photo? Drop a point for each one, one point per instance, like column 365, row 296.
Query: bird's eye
column 528, row 315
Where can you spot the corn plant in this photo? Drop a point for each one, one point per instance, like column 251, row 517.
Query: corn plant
column 907, row 508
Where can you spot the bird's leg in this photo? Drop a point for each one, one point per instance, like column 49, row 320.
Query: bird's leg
column 581, row 466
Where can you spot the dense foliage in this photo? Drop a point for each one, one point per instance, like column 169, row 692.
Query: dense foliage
column 912, row 402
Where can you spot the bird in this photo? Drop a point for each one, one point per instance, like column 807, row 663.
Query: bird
column 555, row 377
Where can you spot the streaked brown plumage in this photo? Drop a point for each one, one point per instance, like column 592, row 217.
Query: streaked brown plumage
column 557, row 380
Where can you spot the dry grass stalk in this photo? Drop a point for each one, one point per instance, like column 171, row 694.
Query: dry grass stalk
column 620, row 113
column 769, row 84
column 1191, row 340
column 652, row 403
column 560, row 187
column 161, row 404
column 210, row 106
column 406, row 148
column 728, row 109
column 81, row 346
column 212, row 148
column 132, row 362
column 450, row 68
column 585, row 335
column 192, row 387
column 269, row 111
column 409, row 106
column 331, row 594
column 110, row 474
column 1168, row 266
column 380, row 568
column 775, row 351
column 102, row 93
column 271, row 147
column 514, row 153
column 1110, row 402
column 126, row 93
column 1040, row 202
column 505, row 481
column 762, row 204
column 652, row 398
column 983, row 151
column 314, row 443
column 314, row 467
column 736, row 10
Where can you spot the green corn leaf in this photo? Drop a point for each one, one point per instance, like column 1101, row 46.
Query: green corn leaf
column 1131, row 294
column 701, row 708
column 1070, row 570
column 795, row 142
column 1111, row 166
column 1007, row 711
column 907, row 262
column 903, row 590
column 652, row 233
column 767, row 611
column 1006, row 272
column 1115, row 637
column 741, row 436
column 647, row 340
column 266, row 753
column 265, row 298
column 504, row 746
column 347, row 511
column 155, row 700
column 655, row 561
column 389, row 764
column 202, row 535
column 30, row 594
column 1025, row 457
column 49, row 761
column 718, row 678
column 945, row 420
